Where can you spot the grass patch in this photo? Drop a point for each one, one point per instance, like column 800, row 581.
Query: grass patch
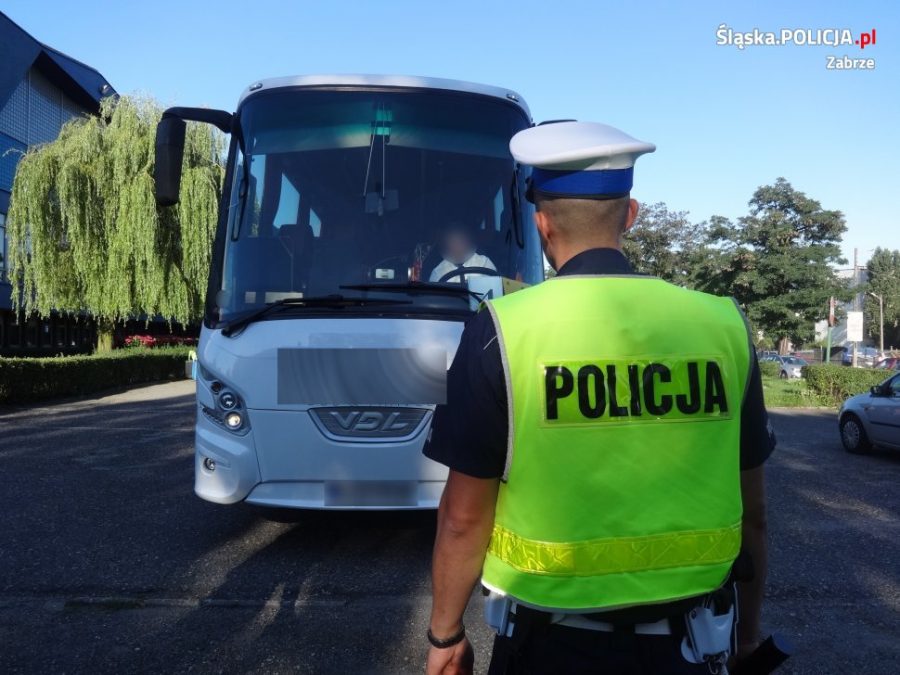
column 790, row 393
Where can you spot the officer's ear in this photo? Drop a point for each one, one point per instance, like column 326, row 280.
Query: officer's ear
column 633, row 208
column 544, row 224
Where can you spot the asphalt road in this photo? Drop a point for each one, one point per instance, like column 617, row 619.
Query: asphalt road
column 109, row 563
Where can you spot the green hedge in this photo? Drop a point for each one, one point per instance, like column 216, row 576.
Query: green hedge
column 836, row 383
column 23, row 380
column 770, row 369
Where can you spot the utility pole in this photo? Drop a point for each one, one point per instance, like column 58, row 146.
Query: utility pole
column 830, row 324
column 880, row 300
column 856, row 302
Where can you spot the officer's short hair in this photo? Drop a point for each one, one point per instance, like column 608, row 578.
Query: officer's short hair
column 585, row 217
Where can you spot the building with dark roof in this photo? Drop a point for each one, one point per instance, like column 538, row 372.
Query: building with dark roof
column 40, row 90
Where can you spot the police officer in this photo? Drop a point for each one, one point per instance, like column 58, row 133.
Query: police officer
column 605, row 434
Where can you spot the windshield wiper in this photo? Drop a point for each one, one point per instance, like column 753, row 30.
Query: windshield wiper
column 416, row 287
column 335, row 301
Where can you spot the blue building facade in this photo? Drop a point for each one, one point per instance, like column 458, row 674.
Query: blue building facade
column 40, row 90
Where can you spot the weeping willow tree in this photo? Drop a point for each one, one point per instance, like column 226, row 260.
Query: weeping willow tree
column 85, row 233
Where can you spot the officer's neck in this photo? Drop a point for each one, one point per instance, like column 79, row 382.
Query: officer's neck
column 565, row 252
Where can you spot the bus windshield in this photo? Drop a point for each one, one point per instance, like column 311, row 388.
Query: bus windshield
column 344, row 188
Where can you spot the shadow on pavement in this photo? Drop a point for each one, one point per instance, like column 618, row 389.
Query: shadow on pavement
column 328, row 592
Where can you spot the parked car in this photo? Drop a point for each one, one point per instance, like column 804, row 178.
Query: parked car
column 865, row 357
column 889, row 363
column 873, row 418
column 791, row 366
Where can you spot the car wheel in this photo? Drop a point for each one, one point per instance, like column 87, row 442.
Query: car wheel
column 853, row 436
column 783, row 375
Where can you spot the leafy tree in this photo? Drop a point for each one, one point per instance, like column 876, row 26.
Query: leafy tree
column 85, row 234
column 662, row 243
column 777, row 261
column 884, row 280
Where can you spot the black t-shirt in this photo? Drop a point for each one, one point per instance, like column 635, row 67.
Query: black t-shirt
column 469, row 433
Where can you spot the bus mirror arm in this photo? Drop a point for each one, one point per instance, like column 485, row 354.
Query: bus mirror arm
column 218, row 118
column 170, row 135
column 518, row 225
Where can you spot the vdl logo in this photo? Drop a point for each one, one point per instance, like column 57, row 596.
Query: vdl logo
column 369, row 420
column 372, row 424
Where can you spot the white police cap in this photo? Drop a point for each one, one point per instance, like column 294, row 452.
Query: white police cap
column 584, row 160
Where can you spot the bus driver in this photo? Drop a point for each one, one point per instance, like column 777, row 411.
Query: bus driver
column 459, row 253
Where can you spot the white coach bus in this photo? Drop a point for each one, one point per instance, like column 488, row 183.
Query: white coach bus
column 362, row 220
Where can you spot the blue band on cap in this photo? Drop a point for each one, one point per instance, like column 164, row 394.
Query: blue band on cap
column 586, row 183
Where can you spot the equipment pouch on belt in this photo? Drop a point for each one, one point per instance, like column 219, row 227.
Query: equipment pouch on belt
column 497, row 609
column 708, row 634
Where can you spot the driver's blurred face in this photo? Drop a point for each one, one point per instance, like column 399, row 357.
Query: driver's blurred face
column 457, row 247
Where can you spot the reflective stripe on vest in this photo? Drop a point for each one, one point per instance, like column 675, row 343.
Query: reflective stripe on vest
column 623, row 480
column 607, row 556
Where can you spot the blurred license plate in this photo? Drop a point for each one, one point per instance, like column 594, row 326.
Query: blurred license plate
column 371, row 493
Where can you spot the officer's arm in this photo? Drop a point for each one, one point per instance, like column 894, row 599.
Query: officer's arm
column 465, row 521
column 753, row 494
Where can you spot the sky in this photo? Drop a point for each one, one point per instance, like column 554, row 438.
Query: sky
column 725, row 120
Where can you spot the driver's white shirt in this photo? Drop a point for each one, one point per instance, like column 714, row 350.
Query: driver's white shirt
column 475, row 260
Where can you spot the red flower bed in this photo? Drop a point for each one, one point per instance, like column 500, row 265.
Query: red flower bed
column 159, row 341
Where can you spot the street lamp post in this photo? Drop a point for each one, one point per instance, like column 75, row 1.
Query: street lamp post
column 881, row 322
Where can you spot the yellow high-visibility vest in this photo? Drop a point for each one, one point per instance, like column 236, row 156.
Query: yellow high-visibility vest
column 622, row 483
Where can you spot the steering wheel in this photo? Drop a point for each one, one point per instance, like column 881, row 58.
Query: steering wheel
column 460, row 271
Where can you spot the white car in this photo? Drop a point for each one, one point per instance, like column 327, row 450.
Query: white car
column 791, row 366
column 872, row 418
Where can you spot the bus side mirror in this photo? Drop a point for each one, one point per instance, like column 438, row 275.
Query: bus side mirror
column 169, row 157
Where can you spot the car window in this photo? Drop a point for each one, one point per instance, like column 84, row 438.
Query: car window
column 895, row 386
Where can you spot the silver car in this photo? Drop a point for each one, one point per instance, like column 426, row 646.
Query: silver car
column 873, row 418
column 791, row 366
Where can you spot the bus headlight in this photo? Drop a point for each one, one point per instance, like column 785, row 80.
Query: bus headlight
column 234, row 421
column 228, row 400
column 228, row 410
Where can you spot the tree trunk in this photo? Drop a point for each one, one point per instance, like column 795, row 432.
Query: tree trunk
column 105, row 331
column 783, row 345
